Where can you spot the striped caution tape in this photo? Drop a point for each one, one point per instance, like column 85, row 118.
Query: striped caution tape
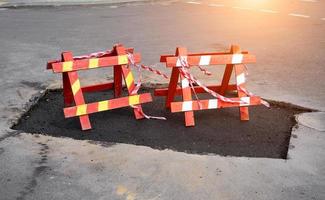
column 182, row 60
column 191, row 78
column 187, row 82
column 146, row 67
column 145, row 115
column 205, row 71
column 93, row 55
column 155, row 71
column 265, row 103
column 138, row 85
column 133, row 64
column 86, row 56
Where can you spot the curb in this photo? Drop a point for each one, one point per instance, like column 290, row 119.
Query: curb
column 71, row 3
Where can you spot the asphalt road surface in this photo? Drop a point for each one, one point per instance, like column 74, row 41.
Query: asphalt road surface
column 289, row 48
column 286, row 36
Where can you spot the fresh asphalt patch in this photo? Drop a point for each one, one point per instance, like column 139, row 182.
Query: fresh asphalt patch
column 266, row 134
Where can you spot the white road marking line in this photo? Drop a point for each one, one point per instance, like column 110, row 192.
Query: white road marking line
column 268, row 11
column 298, row 15
column 322, row 18
column 113, row 6
column 260, row 10
column 193, row 2
column 216, row 5
column 310, row 1
column 241, row 8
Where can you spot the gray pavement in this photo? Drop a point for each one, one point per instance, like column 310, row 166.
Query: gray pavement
column 287, row 37
column 26, row 3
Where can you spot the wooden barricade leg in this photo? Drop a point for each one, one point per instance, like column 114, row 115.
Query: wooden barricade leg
column 129, row 82
column 226, row 79
column 187, row 102
column 240, row 81
column 67, row 92
column 172, row 86
column 186, row 92
column 117, row 69
column 117, row 80
column 228, row 72
column 78, row 97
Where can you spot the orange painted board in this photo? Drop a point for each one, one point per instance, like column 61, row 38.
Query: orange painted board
column 194, row 104
column 164, row 57
column 84, row 64
column 106, row 105
column 214, row 60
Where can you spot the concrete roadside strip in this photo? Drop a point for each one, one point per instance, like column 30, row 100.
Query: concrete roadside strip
column 315, row 120
column 45, row 3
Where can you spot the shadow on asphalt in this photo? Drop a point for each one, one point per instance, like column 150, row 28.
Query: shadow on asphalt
column 267, row 134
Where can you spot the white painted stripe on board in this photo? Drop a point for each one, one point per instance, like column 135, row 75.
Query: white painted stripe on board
column 187, row 106
column 245, row 100
column 241, row 79
column 180, row 59
column 237, row 58
column 213, row 103
column 205, row 60
column 185, row 83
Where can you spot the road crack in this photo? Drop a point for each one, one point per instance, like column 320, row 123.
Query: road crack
column 38, row 171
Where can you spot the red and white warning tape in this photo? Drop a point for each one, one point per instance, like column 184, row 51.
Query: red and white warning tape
column 138, row 85
column 133, row 64
column 155, row 71
column 145, row 115
column 93, row 55
column 205, row 71
column 88, row 56
column 145, row 67
column 265, row 103
column 191, row 78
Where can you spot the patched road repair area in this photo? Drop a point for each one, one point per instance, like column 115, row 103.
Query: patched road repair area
column 221, row 132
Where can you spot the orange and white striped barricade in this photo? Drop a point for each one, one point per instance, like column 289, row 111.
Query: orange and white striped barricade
column 181, row 61
column 73, row 92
